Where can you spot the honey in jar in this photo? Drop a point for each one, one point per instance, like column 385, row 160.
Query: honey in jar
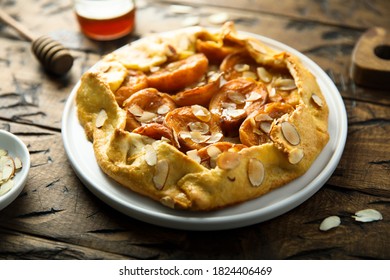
column 105, row 19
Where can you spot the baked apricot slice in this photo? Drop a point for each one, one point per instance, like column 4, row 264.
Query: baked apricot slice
column 257, row 126
column 235, row 101
column 177, row 75
column 201, row 93
column 156, row 131
column 134, row 81
column 193, row 126
column 239, row 64
column 215, row 51
column 147, row 106
column 217, row 47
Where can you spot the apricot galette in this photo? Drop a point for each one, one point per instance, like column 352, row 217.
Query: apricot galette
column 201, row 120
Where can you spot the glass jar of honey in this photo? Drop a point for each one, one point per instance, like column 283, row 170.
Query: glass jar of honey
column 105, row 20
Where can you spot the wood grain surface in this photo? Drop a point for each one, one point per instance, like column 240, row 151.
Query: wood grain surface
column 56, row 217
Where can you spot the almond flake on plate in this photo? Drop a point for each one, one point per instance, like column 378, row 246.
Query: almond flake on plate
column 101, row 118
column 161, row 174
column 150, row 155
column 201, row 113
column 193, row 154
column 256, row 172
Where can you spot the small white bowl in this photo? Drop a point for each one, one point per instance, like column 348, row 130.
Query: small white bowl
column 15, row 148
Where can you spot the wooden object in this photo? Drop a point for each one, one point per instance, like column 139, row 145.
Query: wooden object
column 371, row 59
column 54, row 57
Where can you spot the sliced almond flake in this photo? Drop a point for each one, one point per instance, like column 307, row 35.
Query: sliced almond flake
column 193, row 154
column 3, row 152
column 256, row 172
column 263, row 117
column 227, row 105
column 264, row 75
column 234, row 113
column 190, row 21
column 184, row 134
column 8, row 172
column 253, row 96
column 5, row 160
column 213, row 151
column 272, row 92
column 168, row 201
column 163, row 109
column 265, row 126
column 6, row 187
column 241, row 67
column 161, row 174
column 146, row 117
column 368, row 215
column 228, row 160
column 202, row 127
column 218, row 18
column 236, row 97
column 214, row 111
column 198, row 137
column 330, row 222
column 180, row 9
column 101, row 118
column 290, row 133
column 165, row 139
column 249, row 74
column 215, row 137
column 154, row 69
column 136, row 110
column 183, row 42
column 150, row 155
column 176, row 138
column 257, row 46
column 295, row 156
column 200, row 84
column 18, row 163
column 285, row 84
column 201, row 113
column 317, row 100
column 7, row 168
column 257, row 131
column 213, row 76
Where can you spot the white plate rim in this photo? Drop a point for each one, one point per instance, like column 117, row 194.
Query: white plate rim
column 228, row 218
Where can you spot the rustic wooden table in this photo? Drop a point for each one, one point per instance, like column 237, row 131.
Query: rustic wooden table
column 56, row 217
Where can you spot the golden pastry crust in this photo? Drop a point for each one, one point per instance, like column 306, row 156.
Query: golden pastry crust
column 181, row 156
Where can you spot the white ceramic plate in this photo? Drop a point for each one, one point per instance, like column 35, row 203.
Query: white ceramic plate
column 275, row 203
column 15, row 148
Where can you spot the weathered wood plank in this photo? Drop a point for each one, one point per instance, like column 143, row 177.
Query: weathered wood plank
column 19, row 246
column 365, row 165
column 360, row 14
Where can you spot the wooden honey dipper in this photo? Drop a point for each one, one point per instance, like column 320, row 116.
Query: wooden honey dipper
column 53, row 56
